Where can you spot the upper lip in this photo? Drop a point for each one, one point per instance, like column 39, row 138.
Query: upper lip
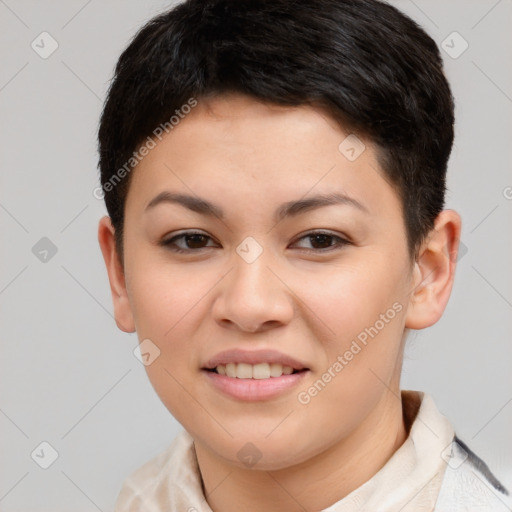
column 253, row 357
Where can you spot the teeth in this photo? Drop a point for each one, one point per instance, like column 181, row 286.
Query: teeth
column 276, row 370
column 231, row 370
column 261, row 371
column 253, row 371
column 243, row 371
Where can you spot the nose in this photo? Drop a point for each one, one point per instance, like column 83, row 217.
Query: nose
column 253, row 297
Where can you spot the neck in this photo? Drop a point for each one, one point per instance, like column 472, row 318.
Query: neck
column 314, row 484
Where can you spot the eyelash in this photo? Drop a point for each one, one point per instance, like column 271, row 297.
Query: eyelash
column 171, row 241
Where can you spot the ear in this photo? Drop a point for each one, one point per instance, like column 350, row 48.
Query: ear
column 434, row 272
column 122, row 309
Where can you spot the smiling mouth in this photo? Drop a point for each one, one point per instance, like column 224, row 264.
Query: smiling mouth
column 254, row 371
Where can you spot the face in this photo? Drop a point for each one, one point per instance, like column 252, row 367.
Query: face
column 259, row 262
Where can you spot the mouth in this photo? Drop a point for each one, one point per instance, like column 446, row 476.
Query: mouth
column 254, row 375
column 258, row 371
column 259, row 382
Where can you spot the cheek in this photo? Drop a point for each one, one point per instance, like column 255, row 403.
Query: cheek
column 366, row 314
column 363, row 308
column 166, row 303
column 161, row 294
column 352, row 298
column 169, row 304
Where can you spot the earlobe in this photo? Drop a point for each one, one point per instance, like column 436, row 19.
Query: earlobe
column 434, row 272
column 122, row 309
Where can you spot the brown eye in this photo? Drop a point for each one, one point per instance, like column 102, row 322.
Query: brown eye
column 195, row 241
column 320, row 241
column 188, row 241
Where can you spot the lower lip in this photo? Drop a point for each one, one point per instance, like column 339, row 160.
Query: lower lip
column 253, row 390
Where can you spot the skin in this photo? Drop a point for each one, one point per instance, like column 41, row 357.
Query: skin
column 248, row 158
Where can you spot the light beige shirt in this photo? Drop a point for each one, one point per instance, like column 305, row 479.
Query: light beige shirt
column 409, row 482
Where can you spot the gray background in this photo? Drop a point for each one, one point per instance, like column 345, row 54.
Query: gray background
column 69, row 377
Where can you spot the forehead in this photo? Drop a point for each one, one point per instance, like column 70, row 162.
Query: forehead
column 241, row 122
column 237, row 148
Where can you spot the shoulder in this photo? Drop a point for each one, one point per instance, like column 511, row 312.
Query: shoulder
column 157, row 485
column 468, row 483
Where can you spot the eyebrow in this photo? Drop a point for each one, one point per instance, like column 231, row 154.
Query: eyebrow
column 288, row 209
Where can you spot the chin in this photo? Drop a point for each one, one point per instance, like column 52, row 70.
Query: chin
column 262, row 453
